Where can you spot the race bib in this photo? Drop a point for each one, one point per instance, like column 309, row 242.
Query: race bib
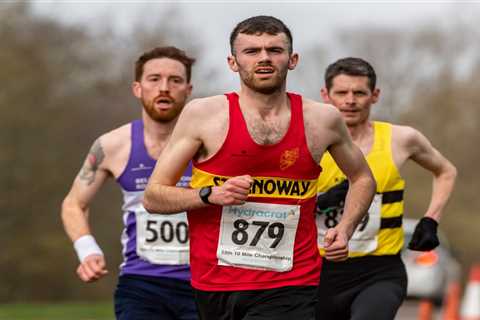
column 258, row 236
column 162, row 239
column 364, row 239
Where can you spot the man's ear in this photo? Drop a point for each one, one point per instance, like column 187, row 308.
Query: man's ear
column 375, row 95
column 324, row 95
column 292, row 62
column 137, row 89
column 232, row 63
column 189, row 90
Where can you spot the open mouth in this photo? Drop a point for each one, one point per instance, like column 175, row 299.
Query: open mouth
column 163, row 101
column 264, row 70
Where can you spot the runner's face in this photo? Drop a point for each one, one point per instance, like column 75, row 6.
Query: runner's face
column 263, row 61
column 352, row 96
column 163, row 88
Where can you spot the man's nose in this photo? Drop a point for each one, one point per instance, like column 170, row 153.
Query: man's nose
column 163, row 85
column 350, row 99
column 264, row 55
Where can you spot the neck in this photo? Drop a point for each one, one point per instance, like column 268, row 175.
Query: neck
column 263, row 103
column 157, row 131
column 360, row 131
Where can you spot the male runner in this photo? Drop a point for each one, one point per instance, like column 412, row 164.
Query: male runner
column 372, row 283
column 154, row 276
column 255, row 164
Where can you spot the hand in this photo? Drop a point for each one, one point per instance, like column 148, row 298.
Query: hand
column 424, row 237
column 92, row 268
column 233, row 192
column 333, row 198
column 336, row 245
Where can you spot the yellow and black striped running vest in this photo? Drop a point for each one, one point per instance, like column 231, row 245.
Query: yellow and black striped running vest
column 380, row 232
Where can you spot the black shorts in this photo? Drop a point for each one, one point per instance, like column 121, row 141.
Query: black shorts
column 371, row 287
column 149, row 298
column 287, row 303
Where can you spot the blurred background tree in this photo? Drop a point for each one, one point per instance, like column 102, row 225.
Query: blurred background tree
column 64, row 85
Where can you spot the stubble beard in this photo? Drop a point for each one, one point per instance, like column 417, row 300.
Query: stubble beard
column 269, row 86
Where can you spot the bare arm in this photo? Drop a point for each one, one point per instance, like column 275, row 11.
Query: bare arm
column 333, row 134
column 420, row 150
column 161, row 195
column 362, row 186
column 75, row 209
column 195, row 126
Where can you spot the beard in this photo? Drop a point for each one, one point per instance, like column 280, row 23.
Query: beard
column 162, row 116
column 265, row 86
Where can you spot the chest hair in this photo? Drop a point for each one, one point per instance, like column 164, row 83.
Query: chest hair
column 267, row 131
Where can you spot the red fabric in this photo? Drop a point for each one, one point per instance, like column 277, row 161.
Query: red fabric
column 239, row 155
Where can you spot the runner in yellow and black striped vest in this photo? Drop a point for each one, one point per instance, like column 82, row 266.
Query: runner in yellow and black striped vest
column 372, row 283
column 380, row 232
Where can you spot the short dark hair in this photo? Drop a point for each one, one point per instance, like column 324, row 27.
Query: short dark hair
column 164, row 52
column 258, row 25
column 351, row 67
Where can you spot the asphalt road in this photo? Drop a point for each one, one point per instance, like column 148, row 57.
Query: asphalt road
column 410, row 310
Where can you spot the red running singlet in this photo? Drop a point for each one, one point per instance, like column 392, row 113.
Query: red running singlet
column 270, row 241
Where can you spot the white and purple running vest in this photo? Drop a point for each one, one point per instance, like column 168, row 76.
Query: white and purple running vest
column 153, row 244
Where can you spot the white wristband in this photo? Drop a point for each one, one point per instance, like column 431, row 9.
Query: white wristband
column 85, row 246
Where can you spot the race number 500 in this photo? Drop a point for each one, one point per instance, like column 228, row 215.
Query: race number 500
column 162, row 239
column 166, row 231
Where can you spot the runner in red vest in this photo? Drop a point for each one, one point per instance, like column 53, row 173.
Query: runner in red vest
column 253, row 190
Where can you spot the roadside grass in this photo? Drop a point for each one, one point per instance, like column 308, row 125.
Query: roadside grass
column 58, row 311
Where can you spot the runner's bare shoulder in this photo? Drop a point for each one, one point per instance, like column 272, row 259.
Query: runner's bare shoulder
column 205, row 114
column 404, row 135
column 407, row 141
column 205, row 108
column 322, row 123
column 115, row 145
column 320, row 117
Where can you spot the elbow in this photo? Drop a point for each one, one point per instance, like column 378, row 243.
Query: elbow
column 370, row 181
column 72, row 209
column 373, row 186
column 147, row 203
column 449, row 173
column 149, row 207
column 65, row 209
column 151, row 203
column 453, row 172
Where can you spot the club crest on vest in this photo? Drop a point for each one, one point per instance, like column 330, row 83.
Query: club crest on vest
column 288, row 158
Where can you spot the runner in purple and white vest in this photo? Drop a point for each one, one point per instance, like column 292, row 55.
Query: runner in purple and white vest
column 154, row 281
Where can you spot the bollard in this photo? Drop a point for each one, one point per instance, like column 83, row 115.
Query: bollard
column 425, row 310
column 451, row 305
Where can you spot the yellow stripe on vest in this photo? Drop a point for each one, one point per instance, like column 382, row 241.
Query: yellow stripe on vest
column 262, row 187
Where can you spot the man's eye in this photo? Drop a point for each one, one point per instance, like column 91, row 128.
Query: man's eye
column 276, row 50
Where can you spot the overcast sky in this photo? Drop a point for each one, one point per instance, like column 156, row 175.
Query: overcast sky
column 310, row 21
column 307, row 19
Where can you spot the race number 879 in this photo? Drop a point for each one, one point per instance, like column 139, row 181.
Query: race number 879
column 274, row 231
